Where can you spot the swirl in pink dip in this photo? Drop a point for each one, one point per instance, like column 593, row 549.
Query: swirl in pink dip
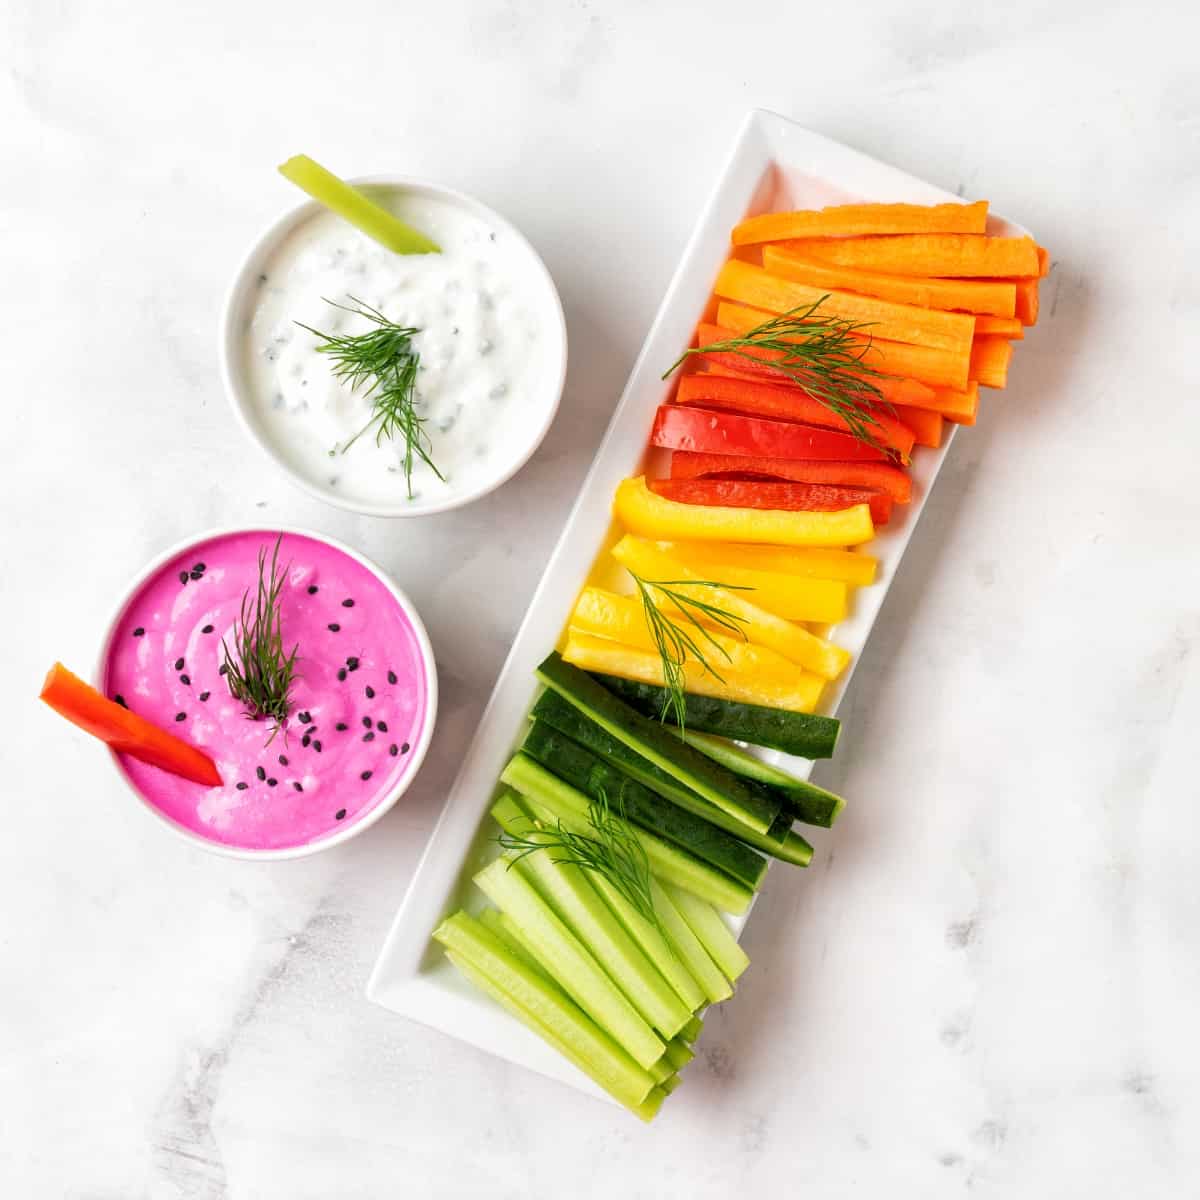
column 360, row 703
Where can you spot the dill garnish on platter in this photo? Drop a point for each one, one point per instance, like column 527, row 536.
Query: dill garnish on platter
column 825, row 355
column 675, row 642
column 385, row 361
column 612, row 851
column 259, row 671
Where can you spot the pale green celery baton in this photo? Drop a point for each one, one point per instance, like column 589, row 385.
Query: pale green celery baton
column 351, row 205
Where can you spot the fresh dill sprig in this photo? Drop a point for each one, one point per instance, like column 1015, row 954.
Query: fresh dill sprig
column 385, row 360
column 612, row 851
column 258, row 671
column 825, row 355
column 674, row 641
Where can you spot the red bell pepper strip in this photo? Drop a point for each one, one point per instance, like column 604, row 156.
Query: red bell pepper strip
column 677, row 427
column 788, row 404
column 759, row 362
column 755, row 493
column 881, row 477
column 123, row 730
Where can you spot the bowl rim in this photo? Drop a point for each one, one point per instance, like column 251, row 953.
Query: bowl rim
column 420, row 746
column 233, row 376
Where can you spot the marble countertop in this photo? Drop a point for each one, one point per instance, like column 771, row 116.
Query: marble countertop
column 988, row 981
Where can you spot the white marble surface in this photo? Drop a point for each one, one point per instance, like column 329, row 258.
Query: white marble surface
column 989, row 982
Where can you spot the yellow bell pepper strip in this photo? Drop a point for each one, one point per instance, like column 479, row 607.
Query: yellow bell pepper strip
column 591, row 653
column 623, row 619
column 764, row 628
column 710, row 559
column 642, row 512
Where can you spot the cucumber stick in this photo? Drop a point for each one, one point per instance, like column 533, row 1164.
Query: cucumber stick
column 689, row 947
column 670, row 862
column 713, row 933
column 568, row 962
column 802, row 800
column 600, row 780
column 779, row 841
column 803, row 734
column 649, row 739
column 526, row 994
column 566, row 888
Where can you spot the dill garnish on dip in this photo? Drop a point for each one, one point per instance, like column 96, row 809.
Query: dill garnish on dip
column 394, row 378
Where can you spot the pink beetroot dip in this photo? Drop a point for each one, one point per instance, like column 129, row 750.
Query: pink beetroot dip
column 360, row 703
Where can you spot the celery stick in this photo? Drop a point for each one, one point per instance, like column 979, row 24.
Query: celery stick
column 669, row 1085
column 678, row 1054
column 351, row 205
column 568, row 962
column 648, row 1109
column 689, row 947
column 660, row 1070
column 667, row 861
column 502, row 928
column 692, row 1030
column 566, row 888
column 544, row 1007
column 644, row 932
column 713, row 933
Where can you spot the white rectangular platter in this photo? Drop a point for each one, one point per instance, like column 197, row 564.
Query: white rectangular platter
column 775, row 165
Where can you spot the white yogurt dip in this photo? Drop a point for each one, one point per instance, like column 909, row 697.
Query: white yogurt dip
column 486, row 354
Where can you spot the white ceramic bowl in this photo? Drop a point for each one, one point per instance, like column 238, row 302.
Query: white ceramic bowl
column 542, row 407
column 419, row 745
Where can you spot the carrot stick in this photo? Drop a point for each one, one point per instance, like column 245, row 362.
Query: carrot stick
column 125, row 731
column 786, row 403
column 941, row 368
column 882, row 477
column 960, row 407
column 849, row 220
column 748, row 284
column 1008, row 327
column 772, row 495
column 989, row 361
column 791, row 260
column 1027, row 300
column 1043, row 262
column 925, row 425
column 956, row 255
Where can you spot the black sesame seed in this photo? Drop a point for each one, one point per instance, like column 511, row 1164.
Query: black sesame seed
column 260, row 772
column 305, row 718
column 340, row 814
column 405, row 748
column 272, row 782
column 341, row 727
column 393, row 749
column 223, row 669
column 381, row 726
column 368, row 737
column 347, row 603
column 342, row 675
column 366, row 775
column 199, row 567
column 186, row 680
column 241, row 787
column 370, row 691
column 207, row 629
column 352, row 663
column 204, row 696
column 391, row 677
column 119, row 699
column 196, row 575
column 367, row 722
column 139, row 631
column 317, row 746
column 306, row 740
column 183, row 577
column 181, row 716
column 179, row 664
column 283, row 760
column 334, row 627
column 312, row 589
column 296, row 785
